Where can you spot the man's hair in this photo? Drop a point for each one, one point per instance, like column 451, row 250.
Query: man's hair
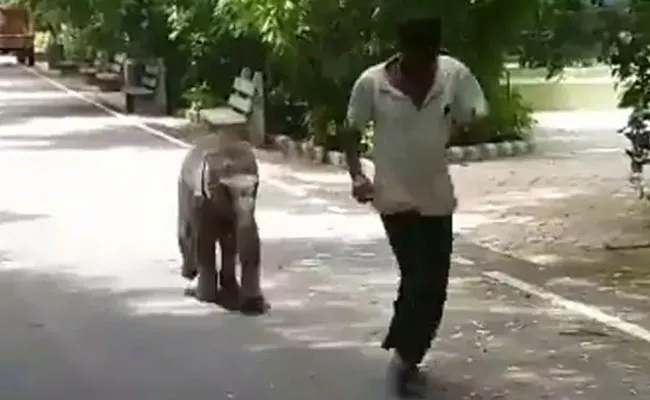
column 425, row 32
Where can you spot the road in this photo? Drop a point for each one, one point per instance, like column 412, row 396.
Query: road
column 91, row 303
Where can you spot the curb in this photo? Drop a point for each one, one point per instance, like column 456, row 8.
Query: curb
column 455, row 155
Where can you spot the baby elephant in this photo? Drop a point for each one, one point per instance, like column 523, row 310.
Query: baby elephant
column 217, row 193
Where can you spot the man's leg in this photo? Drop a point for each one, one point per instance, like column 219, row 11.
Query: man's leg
column 404, row 377
column 422, row 247
column 400, row 233
column 434, row 246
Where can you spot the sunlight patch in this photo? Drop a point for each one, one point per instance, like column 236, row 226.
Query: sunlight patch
column 273, row 225
column 599, row 150
column 517, row 374
column 569, row 281
column 180, row 306
column 55, row 126
column 342, row 344
column 534, row 195
column 10, row 265
column 466, row 221
column 289, row 303
column 582, row 119
column 461, row 260
column 544, row 259
column 10, row 97
column 24, row 143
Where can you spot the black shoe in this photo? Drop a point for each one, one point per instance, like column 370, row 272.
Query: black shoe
column 406, row 381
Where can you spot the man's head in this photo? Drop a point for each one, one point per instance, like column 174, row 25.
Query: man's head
column 418, row 38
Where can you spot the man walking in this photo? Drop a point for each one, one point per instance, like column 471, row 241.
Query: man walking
column 416, row 100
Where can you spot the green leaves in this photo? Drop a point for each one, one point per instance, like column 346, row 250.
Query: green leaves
column 310, row 50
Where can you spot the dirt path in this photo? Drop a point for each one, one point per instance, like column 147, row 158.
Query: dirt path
column 560, row 205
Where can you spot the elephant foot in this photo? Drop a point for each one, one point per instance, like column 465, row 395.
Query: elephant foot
column 254, row 306
column 204, row 293
column 188, row 272
column 228, row 297
column 207, row 296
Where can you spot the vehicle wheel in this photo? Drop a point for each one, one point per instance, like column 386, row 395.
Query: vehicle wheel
column 21, row 59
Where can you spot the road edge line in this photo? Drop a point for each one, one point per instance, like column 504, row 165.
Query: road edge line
column 136, row 122
column 592, row 312
column 132, row 119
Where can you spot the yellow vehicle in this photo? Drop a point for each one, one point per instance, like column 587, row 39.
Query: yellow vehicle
column 17, row 33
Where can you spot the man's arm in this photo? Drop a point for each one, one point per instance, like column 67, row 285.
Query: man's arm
column 470, row 107
column 358, row 115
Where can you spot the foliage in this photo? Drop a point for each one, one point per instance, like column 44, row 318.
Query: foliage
column 628, row 42
column 200, row 97
column 510, row 117
column 310, row 51
column 563, row 32
column 616, row 32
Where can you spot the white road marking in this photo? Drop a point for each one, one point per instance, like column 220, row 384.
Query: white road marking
column 591, row 312
column 137, row 122
column 121, row 116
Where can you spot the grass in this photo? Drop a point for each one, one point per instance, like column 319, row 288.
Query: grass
column 575, row 89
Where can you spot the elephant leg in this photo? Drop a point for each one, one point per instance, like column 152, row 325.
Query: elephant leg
column 187, row 248
column 229, row 291
column 206, row 289
column 249, row 250
column 186, row 232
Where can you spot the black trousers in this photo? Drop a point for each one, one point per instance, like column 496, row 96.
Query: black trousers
column 422, row 246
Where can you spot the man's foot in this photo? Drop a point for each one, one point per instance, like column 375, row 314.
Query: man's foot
column 406, row 380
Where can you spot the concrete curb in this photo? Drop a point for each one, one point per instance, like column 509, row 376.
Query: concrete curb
column 455, row 155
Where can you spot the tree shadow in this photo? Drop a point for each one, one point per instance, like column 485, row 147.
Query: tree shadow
column 134, row 333
column 95, row 136
column 553, row 220
column 23, row 112
column 8, row 217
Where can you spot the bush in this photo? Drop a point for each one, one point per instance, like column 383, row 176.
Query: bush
column 310, row 51
column 510, row 117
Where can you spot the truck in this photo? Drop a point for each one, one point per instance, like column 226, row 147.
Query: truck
column 17, row 33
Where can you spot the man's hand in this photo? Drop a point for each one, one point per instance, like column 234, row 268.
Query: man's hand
column 363, row 190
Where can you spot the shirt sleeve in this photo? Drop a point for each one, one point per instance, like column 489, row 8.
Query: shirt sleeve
column 361, row 102
column 469, row 99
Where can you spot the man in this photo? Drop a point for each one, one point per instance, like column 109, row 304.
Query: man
column 415, row 100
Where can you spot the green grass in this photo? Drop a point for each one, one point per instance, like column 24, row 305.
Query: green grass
column 568, row 96
column 576, row 89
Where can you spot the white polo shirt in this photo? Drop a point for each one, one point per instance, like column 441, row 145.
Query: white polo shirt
column 411, row 171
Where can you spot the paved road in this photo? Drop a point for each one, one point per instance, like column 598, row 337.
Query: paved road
column 91, row 305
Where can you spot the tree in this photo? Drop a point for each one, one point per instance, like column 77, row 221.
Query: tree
column 627, row 41
column 310, row 50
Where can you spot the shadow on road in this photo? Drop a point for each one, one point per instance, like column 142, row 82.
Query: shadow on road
column 7, row 217
column 96, row 136
column 17, row 113
column 331, row 301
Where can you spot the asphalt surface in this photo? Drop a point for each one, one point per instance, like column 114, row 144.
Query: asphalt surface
column 91, row 303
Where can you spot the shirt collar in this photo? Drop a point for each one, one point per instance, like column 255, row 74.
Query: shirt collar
column 387, row 86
